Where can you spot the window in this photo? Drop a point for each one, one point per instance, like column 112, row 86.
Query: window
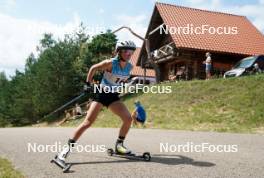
column 245, row 63
column 260, row 62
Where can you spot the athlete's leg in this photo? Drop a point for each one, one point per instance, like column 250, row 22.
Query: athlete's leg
column 88, row 121
column 121, row 110
column 91, row 115
column 134, row 117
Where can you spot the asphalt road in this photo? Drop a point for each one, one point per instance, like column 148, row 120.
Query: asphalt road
column 246, row 162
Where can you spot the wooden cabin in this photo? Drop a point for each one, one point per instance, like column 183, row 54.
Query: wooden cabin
column 179, row 52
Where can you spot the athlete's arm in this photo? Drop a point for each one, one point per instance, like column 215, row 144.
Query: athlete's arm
column 101, row 66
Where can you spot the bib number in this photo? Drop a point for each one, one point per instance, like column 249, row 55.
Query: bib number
column 120, row 80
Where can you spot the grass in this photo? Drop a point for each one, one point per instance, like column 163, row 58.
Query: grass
column 7, row 170
column 222, row 105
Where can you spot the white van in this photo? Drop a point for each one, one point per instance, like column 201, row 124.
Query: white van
column 247, row 66
column 140, row 80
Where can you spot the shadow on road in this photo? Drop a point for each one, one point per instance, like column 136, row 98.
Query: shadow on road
column 179, row 159
column 157, row 158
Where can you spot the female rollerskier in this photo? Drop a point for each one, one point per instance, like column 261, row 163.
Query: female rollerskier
column 116, row 71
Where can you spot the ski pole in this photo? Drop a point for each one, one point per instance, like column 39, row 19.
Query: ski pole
column 65, row 105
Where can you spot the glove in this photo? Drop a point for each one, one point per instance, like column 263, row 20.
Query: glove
column 88, row 87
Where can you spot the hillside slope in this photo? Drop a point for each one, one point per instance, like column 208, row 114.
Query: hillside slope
column 225, row 105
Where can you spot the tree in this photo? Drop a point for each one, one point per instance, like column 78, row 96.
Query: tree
column 51, row 78
column 3, row 99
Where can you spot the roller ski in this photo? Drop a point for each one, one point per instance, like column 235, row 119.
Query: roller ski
column 59, row 159
column 61, row 163
column 122, row 152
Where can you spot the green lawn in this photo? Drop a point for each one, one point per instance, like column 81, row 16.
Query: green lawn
column 7, row 170
column 223, row 105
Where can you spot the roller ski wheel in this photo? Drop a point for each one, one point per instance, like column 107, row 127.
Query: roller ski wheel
column 61, row 163
column 146, row 156
column 110, row 152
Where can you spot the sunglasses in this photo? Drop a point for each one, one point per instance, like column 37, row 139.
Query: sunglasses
column 127, row 51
